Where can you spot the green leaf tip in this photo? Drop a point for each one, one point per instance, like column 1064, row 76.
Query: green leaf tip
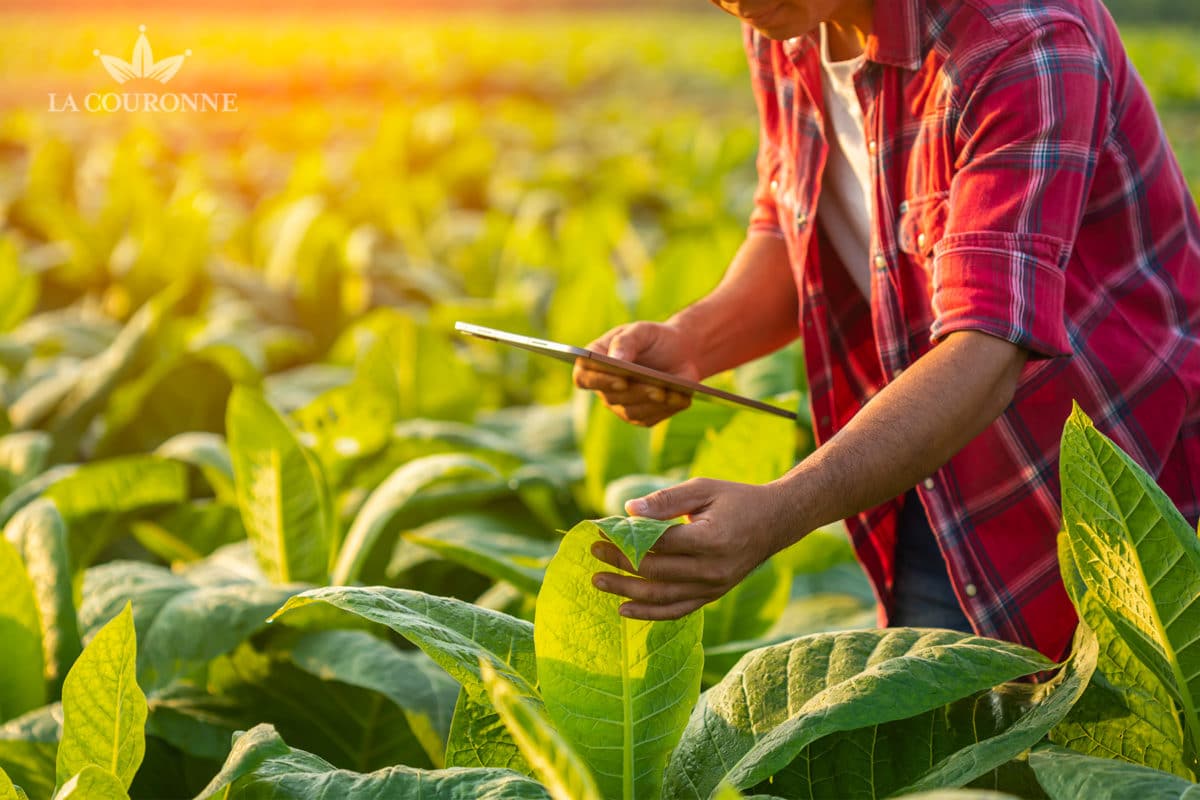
column 1078, row 418
column 633, row 536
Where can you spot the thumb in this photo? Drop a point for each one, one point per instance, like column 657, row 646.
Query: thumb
column 631, row 341
column 675, row 501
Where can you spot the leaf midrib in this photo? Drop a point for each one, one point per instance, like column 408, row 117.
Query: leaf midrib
column 627, row 722
column 116, row 754
column 1171, row 657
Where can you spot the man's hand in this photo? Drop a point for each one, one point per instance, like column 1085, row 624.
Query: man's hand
column 657, row 345
column 731, row 529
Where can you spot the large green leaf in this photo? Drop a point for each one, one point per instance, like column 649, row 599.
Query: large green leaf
column 352, row 727
column 104, row 710
column 1138, row 557
column 455, row 635
column 988, row 746
column 1068, row 775
column 778, row 701
column 1126, row 712
column 249, row 751
column 415, row 493
column 258, row 771
column 117, row 485
column 551, row 757
column 497, row 545
column 22, row 682
column 814, row 613
column 420, row 688
column 98, row 494
column 28, row 747
column 93, row 783
column 41, row 538
column 618, row 689
column 283, row 497
column 181, row 624
column 478, row 737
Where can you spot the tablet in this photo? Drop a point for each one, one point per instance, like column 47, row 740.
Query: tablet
column 606, row 363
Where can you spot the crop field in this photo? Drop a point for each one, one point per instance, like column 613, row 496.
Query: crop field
column 273, row 530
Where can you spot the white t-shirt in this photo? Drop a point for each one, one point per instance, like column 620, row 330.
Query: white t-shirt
column 844, row 208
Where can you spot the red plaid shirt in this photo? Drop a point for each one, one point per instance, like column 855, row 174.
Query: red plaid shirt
column 1022, row 186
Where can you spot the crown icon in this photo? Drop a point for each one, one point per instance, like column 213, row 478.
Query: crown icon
column 142, row 64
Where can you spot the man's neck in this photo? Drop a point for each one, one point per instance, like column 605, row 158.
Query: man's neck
column 849, row 28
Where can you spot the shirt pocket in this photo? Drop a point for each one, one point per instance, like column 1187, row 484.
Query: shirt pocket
column 922, row 225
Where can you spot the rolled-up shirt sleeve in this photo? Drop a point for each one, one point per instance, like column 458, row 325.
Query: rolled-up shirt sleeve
column 1027, row 139
column 764, row 218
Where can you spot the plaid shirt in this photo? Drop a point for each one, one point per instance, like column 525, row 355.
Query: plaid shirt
column 1022, row 186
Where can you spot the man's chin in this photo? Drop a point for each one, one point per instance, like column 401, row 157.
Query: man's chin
column 780, row 31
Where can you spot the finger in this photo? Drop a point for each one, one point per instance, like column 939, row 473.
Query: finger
column 678, row 399
column 630, row 341
column 660, row 612
column 650, row 592
column 586, row 377
column 636, row 392
column 674, row 501
column 646, row 414
column 600, row 345
column 610, row 554
column 689, row 539
column 654, row 567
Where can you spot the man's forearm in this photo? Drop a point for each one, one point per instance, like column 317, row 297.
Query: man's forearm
column 907, row 431
column 752, row 312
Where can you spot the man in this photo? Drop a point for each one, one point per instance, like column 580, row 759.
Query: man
column 969, row 213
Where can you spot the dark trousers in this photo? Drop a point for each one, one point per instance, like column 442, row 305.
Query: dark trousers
column 924, row 596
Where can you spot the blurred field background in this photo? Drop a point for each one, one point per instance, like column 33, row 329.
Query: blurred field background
column 555, row 173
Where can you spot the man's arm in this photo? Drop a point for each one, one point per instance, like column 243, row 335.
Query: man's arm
column 905, row 433
column 751, row 312
column 909, row 429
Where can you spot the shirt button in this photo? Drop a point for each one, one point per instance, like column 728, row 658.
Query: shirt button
column 774, row 186
column 970, row 590
column 871, row 146
column 801, row 219
column 880, row 261
column 921, row 240
column 929, row 483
